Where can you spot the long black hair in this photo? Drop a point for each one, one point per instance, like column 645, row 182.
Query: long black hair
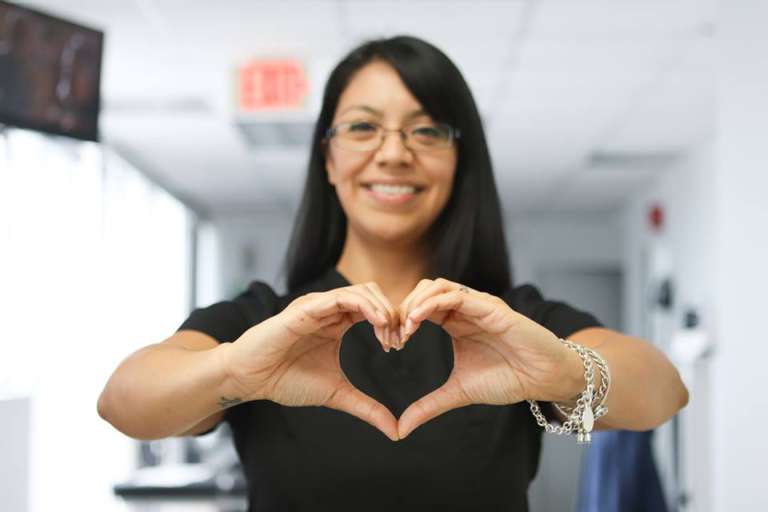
column 467, row 242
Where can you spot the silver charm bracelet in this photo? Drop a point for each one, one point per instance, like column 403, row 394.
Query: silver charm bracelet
column 598, row 407
column 581, row 418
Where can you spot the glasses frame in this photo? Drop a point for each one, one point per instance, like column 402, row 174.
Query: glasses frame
column 453, row 135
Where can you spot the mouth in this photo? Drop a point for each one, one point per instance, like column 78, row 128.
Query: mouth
column 392, row 194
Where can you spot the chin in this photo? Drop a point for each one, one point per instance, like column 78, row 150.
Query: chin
column 394, row 231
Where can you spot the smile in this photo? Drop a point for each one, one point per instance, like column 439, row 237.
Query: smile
column 392, row 194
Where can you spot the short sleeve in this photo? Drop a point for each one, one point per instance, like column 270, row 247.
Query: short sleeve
column 559, row 317
column 227, row 320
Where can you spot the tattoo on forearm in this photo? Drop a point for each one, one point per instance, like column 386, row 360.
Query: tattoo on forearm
column 225, row 402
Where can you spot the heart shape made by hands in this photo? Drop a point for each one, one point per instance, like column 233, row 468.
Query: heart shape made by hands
column 398, row 378
column 496, row 356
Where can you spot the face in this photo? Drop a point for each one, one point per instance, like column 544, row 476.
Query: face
column 376, row 94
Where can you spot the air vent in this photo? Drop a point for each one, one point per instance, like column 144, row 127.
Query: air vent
column 143, row 105
column 276, row 134
column 656, row 159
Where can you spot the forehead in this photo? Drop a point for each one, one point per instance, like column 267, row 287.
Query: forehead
column 377, row 86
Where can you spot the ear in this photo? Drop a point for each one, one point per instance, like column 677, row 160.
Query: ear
column 330, row 167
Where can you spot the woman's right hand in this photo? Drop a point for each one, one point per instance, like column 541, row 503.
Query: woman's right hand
column 292, row 358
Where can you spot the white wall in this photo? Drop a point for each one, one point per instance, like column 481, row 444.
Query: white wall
column 586, row 240
column 686, row 193
column 251, row 247
column 716, row 241
column 14, row 446
column 740, row 400
column 685, row 248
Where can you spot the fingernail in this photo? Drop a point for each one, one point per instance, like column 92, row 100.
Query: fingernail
column 396, row 340
column 408, row 326
column 387, row 339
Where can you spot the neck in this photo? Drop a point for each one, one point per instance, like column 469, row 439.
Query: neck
column 397, row 269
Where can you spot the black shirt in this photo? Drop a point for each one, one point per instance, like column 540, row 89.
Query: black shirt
column 478, row 457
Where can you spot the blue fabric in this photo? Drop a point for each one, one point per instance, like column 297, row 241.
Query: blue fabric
column 619, row 474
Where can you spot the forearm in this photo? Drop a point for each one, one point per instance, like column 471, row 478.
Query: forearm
column 163, row 390
column 646, row 389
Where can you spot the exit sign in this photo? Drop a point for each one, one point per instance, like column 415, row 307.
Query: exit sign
column 271, row 84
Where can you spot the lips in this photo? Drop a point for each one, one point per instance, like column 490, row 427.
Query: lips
column 418, row 187
column 384, row 198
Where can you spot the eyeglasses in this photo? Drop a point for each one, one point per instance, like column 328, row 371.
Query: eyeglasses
column 367, row 136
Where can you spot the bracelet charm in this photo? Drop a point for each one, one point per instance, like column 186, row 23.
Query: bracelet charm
column 580, row 418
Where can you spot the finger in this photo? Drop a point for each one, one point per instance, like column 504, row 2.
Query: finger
column 353, row 401
column 470, row 304
column 403, row 309
column 382, row 332
column 435, row 288
column 443, row 399
column 354, row 298
column 393, row 336
column 342, row 300
column 382, row 304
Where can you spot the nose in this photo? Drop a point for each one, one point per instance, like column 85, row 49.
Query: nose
column 393, row 150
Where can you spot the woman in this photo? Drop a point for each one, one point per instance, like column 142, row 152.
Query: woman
column 398, row 244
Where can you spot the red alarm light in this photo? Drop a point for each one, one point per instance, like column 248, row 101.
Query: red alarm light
column 656, row 217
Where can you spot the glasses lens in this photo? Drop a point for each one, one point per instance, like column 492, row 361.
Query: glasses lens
column 430, row 136
column 359, row 135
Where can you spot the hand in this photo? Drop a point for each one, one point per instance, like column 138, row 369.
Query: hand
column 500, row 355
column 292, row 358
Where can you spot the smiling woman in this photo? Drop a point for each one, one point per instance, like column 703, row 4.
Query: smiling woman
column 399, row 243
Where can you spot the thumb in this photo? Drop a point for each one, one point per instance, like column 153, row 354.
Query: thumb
column 445, row 398
column 349, row 399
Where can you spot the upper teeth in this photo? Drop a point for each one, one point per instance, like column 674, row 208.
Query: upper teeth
column 393, row 189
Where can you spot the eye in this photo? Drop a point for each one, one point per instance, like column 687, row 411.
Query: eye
column 430, row 132
column 361, row 126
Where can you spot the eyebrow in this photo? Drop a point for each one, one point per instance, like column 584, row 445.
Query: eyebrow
column 413, row 113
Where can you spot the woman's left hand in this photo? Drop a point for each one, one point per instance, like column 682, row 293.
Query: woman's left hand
column 500, row 356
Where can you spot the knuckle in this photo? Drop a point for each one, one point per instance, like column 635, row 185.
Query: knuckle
column 301, row 300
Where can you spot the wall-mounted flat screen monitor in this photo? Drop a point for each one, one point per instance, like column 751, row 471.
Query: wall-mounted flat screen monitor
column 50, row 72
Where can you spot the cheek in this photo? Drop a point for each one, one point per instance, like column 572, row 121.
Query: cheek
column 349, row 164
column 441, row 172
column 347, row 167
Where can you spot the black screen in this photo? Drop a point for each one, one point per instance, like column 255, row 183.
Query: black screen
column 49, row 73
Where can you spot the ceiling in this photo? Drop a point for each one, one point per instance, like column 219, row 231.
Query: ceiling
column 583, row 100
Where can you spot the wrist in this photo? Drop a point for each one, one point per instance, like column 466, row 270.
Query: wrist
column 230, row 391
column 572, row 382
